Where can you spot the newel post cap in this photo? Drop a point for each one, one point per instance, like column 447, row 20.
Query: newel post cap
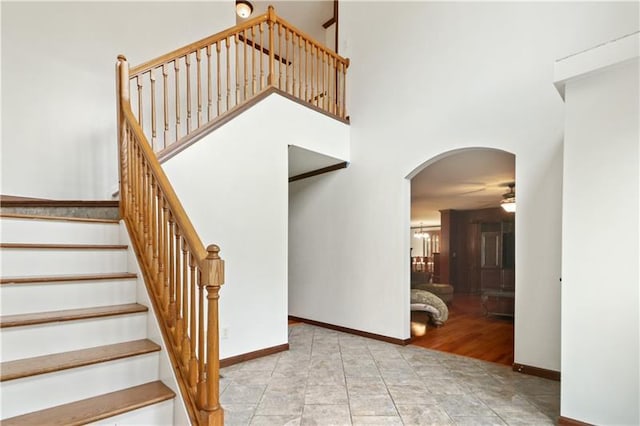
column 212, row 251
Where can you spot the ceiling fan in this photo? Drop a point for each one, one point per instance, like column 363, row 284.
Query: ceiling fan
column 508, row 202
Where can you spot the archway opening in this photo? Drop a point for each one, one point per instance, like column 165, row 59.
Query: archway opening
column 463, row 254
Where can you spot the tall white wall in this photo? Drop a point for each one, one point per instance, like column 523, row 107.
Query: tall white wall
column 233, row 185
column 424, row 80
column 600, row 272
column 58, row 85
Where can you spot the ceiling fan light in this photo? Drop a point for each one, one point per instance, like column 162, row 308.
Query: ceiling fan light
column 509, row 205
column 243, row 8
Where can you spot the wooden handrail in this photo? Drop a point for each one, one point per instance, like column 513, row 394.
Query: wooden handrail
column 315, row 43
column 181, row 92
column 182, row 277
column 179, row 215
column 191, row 47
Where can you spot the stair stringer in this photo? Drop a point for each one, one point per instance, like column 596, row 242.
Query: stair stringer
column 165, row 371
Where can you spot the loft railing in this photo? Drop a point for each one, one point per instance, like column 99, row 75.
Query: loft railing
column 180, row 95
column 183, row 278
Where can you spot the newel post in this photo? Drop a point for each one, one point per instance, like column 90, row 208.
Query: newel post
column 122, row 95
column 271, row 20
column 213, row 278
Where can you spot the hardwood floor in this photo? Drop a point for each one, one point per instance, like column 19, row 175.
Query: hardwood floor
column 469, row 332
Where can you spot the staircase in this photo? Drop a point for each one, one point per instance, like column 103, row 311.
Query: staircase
column 74, row 339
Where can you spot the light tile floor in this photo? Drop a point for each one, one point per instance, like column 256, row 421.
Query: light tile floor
column 333, row 378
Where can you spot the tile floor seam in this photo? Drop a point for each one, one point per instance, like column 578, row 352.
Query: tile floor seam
column 344, row 375
column 460, row 390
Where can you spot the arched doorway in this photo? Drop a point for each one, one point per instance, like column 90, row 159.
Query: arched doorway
column 463, row 252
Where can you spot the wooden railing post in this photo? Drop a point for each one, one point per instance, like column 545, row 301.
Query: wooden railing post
column 271, row 20
column 213, row 278
column 122, row 95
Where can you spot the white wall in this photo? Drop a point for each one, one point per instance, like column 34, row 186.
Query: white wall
column 600, row 273
column 233, row 185
column 58, row 85
column 425, row 80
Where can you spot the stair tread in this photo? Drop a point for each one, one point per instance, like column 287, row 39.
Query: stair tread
column 20, row 368
column 63, row 278
column 69, row 314
column 63, row 246
column 96, row 408
column 57, row 218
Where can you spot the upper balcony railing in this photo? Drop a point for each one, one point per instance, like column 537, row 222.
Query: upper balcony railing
column 178, row 96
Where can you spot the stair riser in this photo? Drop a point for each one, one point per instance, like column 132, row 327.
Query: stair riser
column 36, row 340
column 153, row 415
column 53, row 231
column 28, row 298
column 38, row 392
column 21, row 262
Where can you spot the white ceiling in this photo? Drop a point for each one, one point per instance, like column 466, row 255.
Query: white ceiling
column 466, row 180
column 307, row 15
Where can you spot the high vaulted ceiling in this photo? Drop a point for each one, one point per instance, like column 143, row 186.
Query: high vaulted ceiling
column 466, row 180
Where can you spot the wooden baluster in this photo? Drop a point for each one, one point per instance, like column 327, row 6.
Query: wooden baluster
column 171, row 261
column 246, row 70
column 318, row 74
column 139, row 84
column 344, row 90
column 210, row 84
column 154, row 139
column 187, row 59
column 334, row 87
column 306, row 70
column 176, row 68
column 179, row 335
column 314, row 82
column 271, row 18
column 134, row 187
column 293, row 63
column 165, row 75
column 324, row 80
column 152, row 240
column 166, row 242
column 135, row 174
column 142, row 199
column 228, row 75
column 218, row 79
column 199, row 81
column 286, row 59
column 193, row 363
column 236, row 38
column 202, row 385
column 300, row 62
column 145, row 210
column 153, row 225
column 253, row 61
column 161, row 248
column 261, row 55
column 339, row 91
column 280, row 55
column 135, row 203
column 186, row 343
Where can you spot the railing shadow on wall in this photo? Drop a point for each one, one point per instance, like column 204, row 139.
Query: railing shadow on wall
column 178, row 98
